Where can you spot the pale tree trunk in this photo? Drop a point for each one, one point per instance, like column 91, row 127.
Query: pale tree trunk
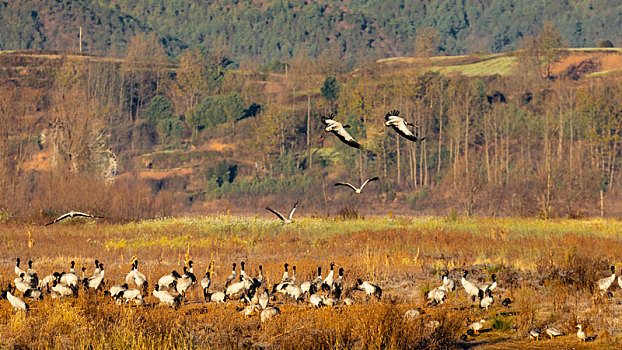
column 466, row 141
column 497, row 170
column 384, row 158
column 411, row 166
column 487, row 154
column 507, row 150
column 397, row 146
column 309, row 129
column 426, row 179
column 440, row 135
column 361, row 159
column 571, row 143
column 612, row 165
column 560, row 130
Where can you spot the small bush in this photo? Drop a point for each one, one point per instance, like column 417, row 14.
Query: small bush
column 502, row 323
column 348, row 213
column 604, row 43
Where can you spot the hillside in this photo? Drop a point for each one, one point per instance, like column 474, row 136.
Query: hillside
column 261, row 31
column 84, row 119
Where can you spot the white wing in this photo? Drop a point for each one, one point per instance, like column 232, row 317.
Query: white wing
column 369, row 180
column 291, row 213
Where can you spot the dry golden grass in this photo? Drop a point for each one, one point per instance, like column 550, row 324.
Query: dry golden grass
column 546, row 268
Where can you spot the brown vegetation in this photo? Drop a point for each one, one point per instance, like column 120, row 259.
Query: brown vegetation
column 548, row 276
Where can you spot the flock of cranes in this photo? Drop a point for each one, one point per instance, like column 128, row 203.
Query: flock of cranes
column 171, row 289
column 252, row 293
column 256, row 296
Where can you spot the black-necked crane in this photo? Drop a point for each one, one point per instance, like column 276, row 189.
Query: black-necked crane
column 33, row 293
column 448, row 283
column 369, row 288
column 132, row 294
column 286, row 220
column 327, row 284
column 269, row 312
column 264, row 299
column 31, row 275
column 96, row 271
column 604, row 283
column 18, row 270
column 340, row 131
column 70, row 278
column 400, row 126
column 357, row 190
column 285, row 277
column 186, row 281
column 236, row 290
column 21, row 284
column 137, row 277
column 116, row 290
column 166, row 297
column 73, row 214
column 293, row 278
column 95, row 281
column 471, row 288
column 492, row 286
column 338, row 285
column 232, row 277
column 62, row 290
column 315, row 300
column 168, row 280
column 216, row 297
column 17, row 303
column 486, row 299
column 206, row 281
column 437, row 295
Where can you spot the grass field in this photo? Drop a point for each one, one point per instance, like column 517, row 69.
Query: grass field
column 547, row 268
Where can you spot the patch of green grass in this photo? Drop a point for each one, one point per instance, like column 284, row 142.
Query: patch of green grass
column 502, row 323
column 499, row 65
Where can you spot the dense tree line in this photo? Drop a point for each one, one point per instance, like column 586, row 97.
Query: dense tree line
column 358, row 31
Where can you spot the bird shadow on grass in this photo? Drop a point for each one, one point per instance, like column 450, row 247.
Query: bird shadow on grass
column 473, row 344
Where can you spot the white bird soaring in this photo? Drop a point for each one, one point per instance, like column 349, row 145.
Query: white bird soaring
column 400, row 126
column 286, row 220
column 73, row 214
column 340, row 131
column 356, row 190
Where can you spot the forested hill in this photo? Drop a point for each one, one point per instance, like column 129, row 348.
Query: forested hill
column 264, row 30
